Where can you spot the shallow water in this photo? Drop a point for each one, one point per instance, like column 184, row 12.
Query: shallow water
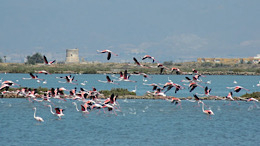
column 218, row 83
column 138, row 122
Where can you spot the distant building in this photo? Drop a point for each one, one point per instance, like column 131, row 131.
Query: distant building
column 230, row 60
column 72, row 56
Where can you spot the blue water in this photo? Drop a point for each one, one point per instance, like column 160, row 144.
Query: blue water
column 138, row 122
column 218, row 83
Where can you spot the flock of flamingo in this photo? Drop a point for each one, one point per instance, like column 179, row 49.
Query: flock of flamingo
column 92, row 99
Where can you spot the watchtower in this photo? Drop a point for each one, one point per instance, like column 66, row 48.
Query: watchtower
column 72, row 55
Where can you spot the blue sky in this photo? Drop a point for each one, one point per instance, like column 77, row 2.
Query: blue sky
column 169, row 30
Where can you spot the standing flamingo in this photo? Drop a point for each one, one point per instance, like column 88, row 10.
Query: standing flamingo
column 59, row 112
column 37, row 118
column 208, row 112
column 108, row 53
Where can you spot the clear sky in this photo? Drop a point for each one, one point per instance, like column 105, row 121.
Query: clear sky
column 169, row 30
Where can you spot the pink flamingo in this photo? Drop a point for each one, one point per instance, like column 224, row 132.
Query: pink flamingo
column 108, row 81
column 208, row 112
column 237, row 88
column 108, row 53
column 149, row 57
column 46, row 61
column 37, row 118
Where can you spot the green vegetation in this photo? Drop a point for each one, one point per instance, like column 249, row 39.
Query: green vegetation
column 35, row 58
column 254, row 95
column 117, row 91
column 100, row 68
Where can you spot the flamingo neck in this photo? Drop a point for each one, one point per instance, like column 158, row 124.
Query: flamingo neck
column 51, row 110
column 202, row 107
column 34, row 113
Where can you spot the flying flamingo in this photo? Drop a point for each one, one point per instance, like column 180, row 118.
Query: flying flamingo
column 108, row 53
column 177, row 70
column 69, row 79
column 109, row 108
column 162, row 67
column 42, row 72
column 37, row 118
column 176, row 101
column 108, row 81
column 155, row 86
column 238, row 88
column 148, row 56
column 46, row 61
column 138, row 63
column 207, row 91
column 126, row 77
column 230, row 98
column 32, row 77
column 195, row 71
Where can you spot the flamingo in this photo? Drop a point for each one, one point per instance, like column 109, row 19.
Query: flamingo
column 46, row 61
column 42, row 72
column 109, row 108
column 177, row 70
column 176, row 101
column 155, row 86
column 10, row 83
column 108, row 53
column 195, row 71
column 208, row 112
column 207, row 91
column 138, row 64
column 59, row 111
column 126, row 77
column 162, row 67
column 69, row 79
column 32, row 77
column 148, row 56
column 108, row 81
column 134, row 89
column 237, row 88
column 76, row 106
column 252, row 99
column 37, row 118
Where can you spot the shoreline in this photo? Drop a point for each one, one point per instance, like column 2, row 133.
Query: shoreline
column 11, row 95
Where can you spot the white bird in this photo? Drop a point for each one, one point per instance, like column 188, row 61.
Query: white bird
column 235, row 82
column 37, row 118
column 134, row 90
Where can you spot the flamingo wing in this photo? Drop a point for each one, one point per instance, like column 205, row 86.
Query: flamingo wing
column 57, row 110
column 45, row 59
column 136, row 61
column 108, row 55
column 108, row 79
column 188, row 78
column 196, row 97
column 32, row 75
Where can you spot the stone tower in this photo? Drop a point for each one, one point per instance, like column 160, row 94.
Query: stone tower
column 72, row 55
